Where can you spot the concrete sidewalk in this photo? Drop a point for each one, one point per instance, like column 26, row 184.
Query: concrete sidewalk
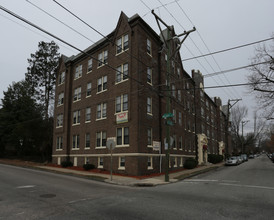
column 131, row 181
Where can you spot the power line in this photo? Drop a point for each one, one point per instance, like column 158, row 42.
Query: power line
column 228, row 49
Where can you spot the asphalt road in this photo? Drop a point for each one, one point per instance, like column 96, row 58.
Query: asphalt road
column 242, row 192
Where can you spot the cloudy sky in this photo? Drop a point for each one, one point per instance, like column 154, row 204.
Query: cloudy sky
column 220, row 25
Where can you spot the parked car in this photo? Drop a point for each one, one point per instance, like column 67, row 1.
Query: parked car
column 251, row 156
column 232, row 161
column 240, row 159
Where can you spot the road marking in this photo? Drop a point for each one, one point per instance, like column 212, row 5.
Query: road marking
column 79, row 200
column 25, row 187
column 201, row 180
column 248, row 186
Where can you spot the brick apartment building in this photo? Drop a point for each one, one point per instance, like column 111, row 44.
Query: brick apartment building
column 117, row 88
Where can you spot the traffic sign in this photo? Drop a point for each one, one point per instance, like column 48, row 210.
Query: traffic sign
column 111, row 143
column 168, row 115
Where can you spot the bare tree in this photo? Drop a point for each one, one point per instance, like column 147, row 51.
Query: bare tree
column 262, row 78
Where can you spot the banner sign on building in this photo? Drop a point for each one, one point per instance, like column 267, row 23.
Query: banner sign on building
column 122, row 117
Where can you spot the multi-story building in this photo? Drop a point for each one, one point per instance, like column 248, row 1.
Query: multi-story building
column 117, row 89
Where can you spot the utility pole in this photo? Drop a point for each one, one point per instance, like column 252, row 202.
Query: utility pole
column 229, row 106
column 243, row 123
column 168, row 40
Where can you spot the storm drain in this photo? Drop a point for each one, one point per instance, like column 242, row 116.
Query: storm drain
column 48, row 196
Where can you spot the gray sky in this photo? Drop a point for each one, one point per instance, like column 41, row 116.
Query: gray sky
column 220, row 24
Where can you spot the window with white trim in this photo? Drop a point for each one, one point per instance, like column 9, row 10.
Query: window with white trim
column 89, row 65
column 149, row 75
column 121, row 103
column 100, row 162
column 101, row 111
column 149, row 137
column 173, row 88
column 181, row 143
column 175, row 142
column 60, row 99
column 75, row 141
column 102, row 84
column 61, row 79
column 89, row 85
column 149, row 105
column 59, row 143
column 103, row 58
column 88, row 114
column 77, row 94
column 122, row 44
column 87, row 140
column 76, row 117
column 122, row 136
column 180, row 118
column 101, row 139
column 149, row 163
column 78, row 72
column 121, row 73
column 59, row 120
column 149, row 51
column 178, row 72
column 122, row 163
column 179, row 95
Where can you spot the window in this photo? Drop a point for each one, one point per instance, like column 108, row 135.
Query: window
column 76, row 117
column 179, row 95
column 61, row 79
column 77, row 94
column 173, row 90
column 87, row 145
column 78, row 72
column 122, row 136
column 180, row 118
column 101, row 139
column 100, row 162
column 89, row 89
column 122, row 73
column 88, row 114
column 122, row 163
column 181, row 143
column 149, row 47
column 149, row 163
column 59, row 143
column 202, row 112
column 149, row 105
column 175, row 142
column 102, row 84
column 174, row 115
column 149, row 136
column 121, row 103
column 101, row 111
column 75, row 141
column 59, row 120
column 89, row 65
column 178, row 72
column 103, row 58
column 60, row 99
column 122, row 44
column 149, row 75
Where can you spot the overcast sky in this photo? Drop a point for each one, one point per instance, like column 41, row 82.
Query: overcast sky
column 220, row 25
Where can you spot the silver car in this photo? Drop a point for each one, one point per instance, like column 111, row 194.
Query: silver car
column 232, row 161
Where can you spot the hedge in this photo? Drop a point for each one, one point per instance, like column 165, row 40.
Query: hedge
column 190, row 163
column 213, row 158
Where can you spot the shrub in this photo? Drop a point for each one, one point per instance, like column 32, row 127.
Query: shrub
column 213, row 158
column 88, row 166
column 66, row 164
column 190, row 163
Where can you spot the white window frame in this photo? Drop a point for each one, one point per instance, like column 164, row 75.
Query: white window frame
column 149, row 105
column 122, row 44
column 76, row 117
column 122, row 72
column 88, row 115
column 89, row 67
column 101, row 111
column 149, row 138
column 103, row 138
column 100, row 162
column 60, row 99
column 76, row 142
column 123, row 144
column 122, row 159
column 123, row 105
column 59, row 143
column 180, row 118
column 61, row 79
column 102, row 58
column 59, row 120
column 77, row 94
column 149, row 75
column 89, row 87
column 181, row 143
column 78, row 72
column 149, row 163
column 102, row 84
column 148, row 47
column 87, row 135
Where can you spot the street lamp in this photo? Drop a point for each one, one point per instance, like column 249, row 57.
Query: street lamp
column 243, row 123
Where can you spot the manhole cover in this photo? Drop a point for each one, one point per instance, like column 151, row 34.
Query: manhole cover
column 48, row 195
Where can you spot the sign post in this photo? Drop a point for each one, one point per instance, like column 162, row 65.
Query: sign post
column 111, row 144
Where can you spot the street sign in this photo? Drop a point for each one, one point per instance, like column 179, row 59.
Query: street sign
column 156, row 145
column 168, row 115
column 111, row 143
column 169, row 122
